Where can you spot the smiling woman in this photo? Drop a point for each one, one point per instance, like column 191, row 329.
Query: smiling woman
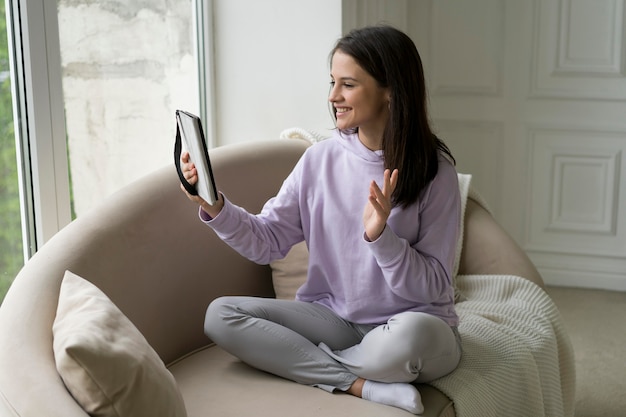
column 341, row 198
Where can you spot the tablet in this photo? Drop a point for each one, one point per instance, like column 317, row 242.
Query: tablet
column 190, row 135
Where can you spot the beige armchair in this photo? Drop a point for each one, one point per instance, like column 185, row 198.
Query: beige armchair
column 145, row 248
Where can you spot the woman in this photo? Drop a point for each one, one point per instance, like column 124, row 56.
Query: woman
column 377, row 310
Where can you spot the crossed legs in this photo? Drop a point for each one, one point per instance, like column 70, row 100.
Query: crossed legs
column 310, row 344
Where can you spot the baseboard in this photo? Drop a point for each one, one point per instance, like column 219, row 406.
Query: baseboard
column 583, row 279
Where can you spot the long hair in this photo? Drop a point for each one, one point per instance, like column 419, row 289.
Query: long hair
column 408, row 142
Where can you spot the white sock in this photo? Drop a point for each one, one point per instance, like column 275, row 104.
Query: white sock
column 400, row 395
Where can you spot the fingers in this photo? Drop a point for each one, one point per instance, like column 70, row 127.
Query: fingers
column 189, row 169
column 378, row 200
column 381, row 199
column 390, row 180
column 191, row 176
column 393, row 181
column 376, row 193
column 379, row 205
column 378, row 208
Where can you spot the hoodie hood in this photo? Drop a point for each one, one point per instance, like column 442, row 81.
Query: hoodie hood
column 351, row 142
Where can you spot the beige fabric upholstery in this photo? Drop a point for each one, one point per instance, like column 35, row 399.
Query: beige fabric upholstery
column 104, row 361
column 262, row 394
column 488, row 249
column 289, row 273
column 146, row 250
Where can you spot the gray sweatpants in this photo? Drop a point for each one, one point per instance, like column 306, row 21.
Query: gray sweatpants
column 308, row 343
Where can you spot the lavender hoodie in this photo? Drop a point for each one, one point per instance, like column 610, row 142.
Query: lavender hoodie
column 408, row 268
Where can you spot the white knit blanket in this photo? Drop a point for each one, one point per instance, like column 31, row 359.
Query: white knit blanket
column 517, row 358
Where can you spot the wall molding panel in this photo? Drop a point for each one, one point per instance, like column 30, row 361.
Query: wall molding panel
column 359, row 13
column 578, row 174
column 584, row 58
column 467, row 48
column 477, row 148
column 579, row 53
column 583, row 191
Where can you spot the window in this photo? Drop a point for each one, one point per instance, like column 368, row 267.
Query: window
column 95, row 88
column 127, row 66
column 11, row 247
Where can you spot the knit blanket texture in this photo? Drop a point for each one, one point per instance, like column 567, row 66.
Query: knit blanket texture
column 517, row 357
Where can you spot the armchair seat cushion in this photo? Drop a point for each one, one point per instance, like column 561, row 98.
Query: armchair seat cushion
column 206, row 379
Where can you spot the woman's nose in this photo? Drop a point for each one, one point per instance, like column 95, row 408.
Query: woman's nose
column 332, row 94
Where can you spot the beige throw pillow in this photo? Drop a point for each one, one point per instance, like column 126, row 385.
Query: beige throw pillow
column 103, row 359
column 289, row 273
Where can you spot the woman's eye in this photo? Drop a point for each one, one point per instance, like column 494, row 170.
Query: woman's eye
column 346, row 85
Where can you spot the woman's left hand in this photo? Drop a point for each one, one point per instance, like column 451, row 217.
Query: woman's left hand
column 379, row 205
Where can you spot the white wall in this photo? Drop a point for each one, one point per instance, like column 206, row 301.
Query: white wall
column 271, row 66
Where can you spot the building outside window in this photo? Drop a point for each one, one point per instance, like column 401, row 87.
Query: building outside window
column 127, row 66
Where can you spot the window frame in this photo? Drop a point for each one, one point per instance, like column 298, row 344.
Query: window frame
column 39, row 119
column 204, row 36
column 39, row 111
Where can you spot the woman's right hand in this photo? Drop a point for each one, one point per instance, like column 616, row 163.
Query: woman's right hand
column 191, row 175
column 189, row 169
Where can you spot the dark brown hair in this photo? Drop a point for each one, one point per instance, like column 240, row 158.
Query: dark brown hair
column 408, row 142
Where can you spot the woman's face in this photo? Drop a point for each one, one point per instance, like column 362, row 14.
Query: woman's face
column 358, row 99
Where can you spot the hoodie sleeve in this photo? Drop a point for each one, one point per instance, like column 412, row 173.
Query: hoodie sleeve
column 423, row 272
column 268, row 235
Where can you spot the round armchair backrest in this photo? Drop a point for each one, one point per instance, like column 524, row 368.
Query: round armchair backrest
column 147, row 250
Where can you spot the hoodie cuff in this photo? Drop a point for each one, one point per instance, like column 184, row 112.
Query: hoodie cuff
column 387, row 248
